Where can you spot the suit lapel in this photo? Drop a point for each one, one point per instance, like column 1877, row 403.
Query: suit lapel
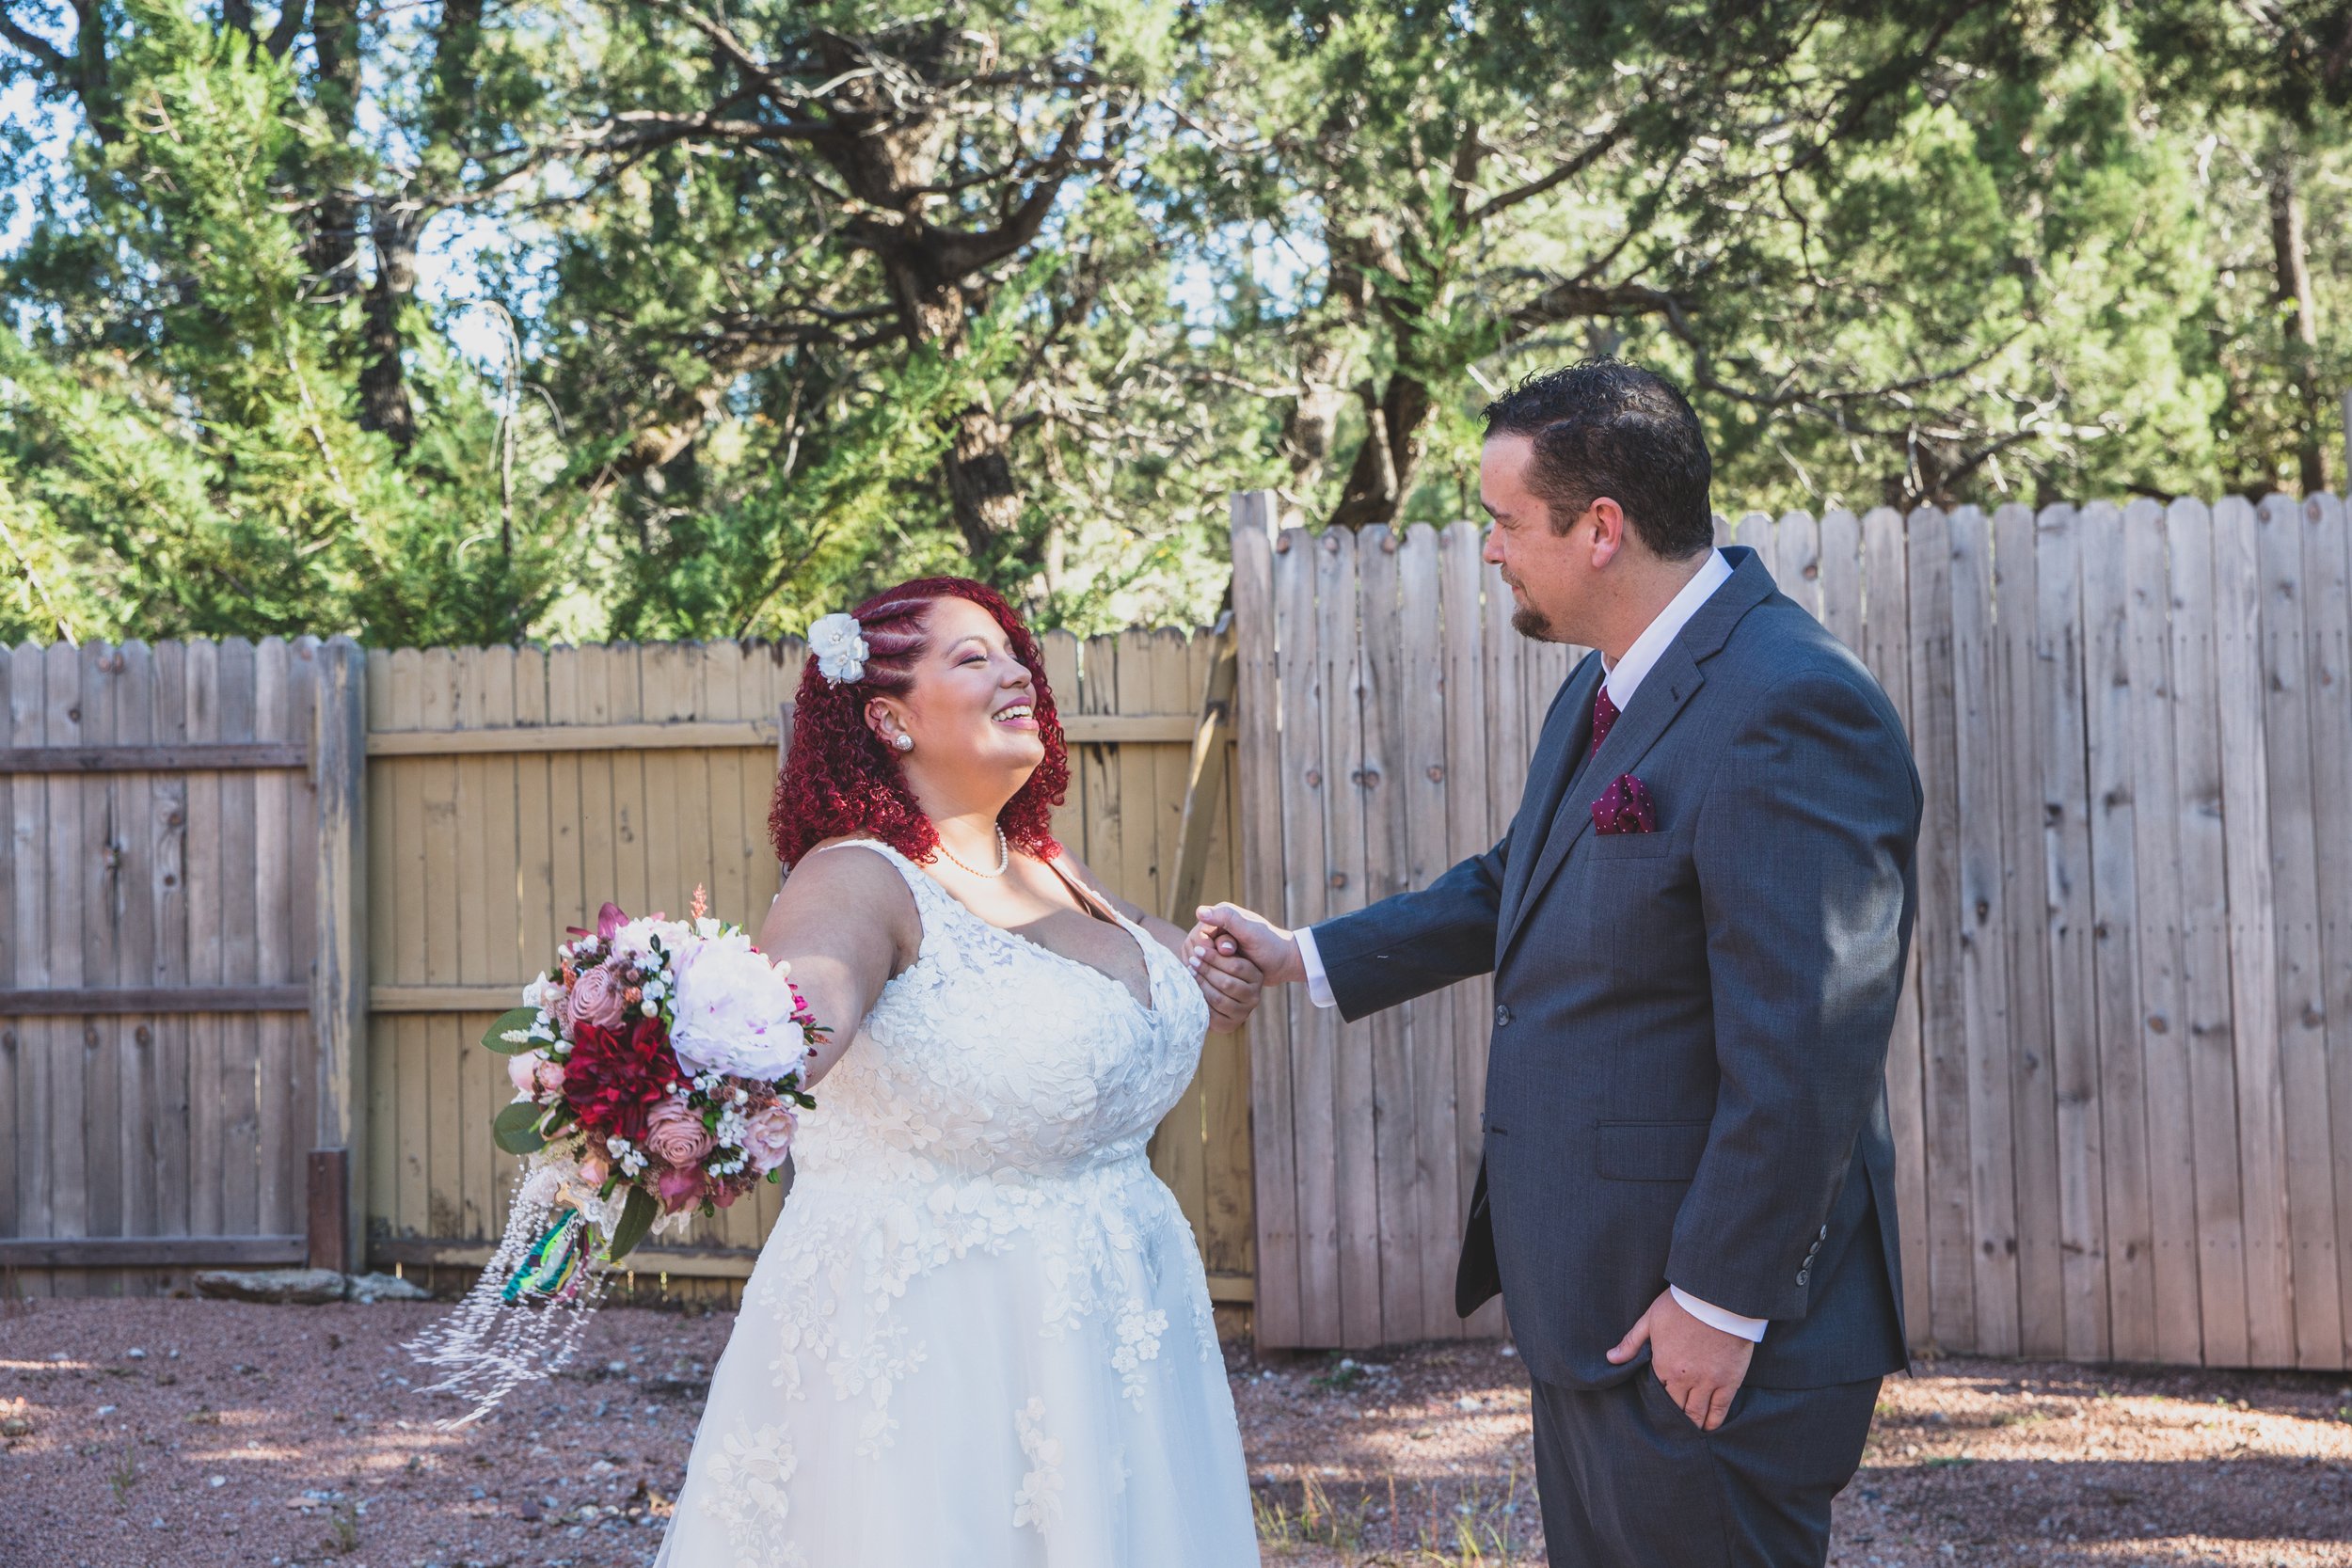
column 1664, row 692
column 1555, row 764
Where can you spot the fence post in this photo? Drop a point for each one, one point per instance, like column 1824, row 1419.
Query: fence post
column 338, row 974
column 1204, row 780
column 1274, row 1308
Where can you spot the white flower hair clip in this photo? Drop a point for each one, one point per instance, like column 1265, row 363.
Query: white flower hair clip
column 839, row 645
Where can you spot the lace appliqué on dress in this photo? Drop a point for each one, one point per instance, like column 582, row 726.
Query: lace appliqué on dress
column 748, row 1479
column 1139, row 1333
column 1038, row 1501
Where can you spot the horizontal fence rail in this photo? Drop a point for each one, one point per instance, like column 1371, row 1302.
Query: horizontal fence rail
column 2122, row 1074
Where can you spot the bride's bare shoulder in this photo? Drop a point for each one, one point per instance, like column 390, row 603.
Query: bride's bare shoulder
column 847, row 882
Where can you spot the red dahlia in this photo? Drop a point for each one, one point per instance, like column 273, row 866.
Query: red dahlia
column 612, row 1078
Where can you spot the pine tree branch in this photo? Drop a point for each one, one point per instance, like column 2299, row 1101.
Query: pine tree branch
column 51, row 58
column 1591, row 153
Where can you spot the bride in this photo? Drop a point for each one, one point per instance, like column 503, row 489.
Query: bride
column 980, row 1334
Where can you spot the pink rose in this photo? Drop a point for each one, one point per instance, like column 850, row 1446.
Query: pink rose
column 675, row 1135
column 768, row 1135
column 597, row 999
column 594, row 1168
column 533, row 1075
column 678, row 1189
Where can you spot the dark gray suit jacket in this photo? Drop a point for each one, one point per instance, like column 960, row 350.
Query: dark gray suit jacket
column 1686, row 1075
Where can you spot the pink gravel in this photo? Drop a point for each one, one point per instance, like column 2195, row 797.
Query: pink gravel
column 144, row 1433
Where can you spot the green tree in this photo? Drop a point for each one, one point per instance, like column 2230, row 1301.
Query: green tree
column 190, row 422
column 2267, row 86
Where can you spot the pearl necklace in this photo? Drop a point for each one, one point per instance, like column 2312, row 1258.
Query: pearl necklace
column 1004, row 855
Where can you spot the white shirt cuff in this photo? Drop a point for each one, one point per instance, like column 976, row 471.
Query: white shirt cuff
column 1750, row 1329
column 1318, row 983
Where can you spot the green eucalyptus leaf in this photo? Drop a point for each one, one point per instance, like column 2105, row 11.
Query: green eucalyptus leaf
column 637, row 1217
column 520, row 1019
column 516, row 1129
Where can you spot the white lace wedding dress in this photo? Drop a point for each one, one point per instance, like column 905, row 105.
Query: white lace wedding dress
column 979, row 1336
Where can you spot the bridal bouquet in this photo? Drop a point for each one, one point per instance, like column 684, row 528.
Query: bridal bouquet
column 656, row 1074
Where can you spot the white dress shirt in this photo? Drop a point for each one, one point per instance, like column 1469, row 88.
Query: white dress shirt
column 1624, row 678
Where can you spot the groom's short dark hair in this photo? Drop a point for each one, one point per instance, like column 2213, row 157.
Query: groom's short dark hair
column 1602, row 427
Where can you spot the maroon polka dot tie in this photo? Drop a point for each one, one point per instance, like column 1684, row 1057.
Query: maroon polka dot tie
column 1604, row 716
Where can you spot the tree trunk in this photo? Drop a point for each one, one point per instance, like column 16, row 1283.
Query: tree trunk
column 334, row 241
column 981, row 484
column 1389, row 460
column 457, row 42
column 383, row 380
column 2299, row 311
column 982, row 494
column 1312, row 424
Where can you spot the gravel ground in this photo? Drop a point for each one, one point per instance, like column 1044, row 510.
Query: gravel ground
column 193, row 1433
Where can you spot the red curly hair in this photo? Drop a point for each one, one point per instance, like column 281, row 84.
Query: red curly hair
column 840, row 781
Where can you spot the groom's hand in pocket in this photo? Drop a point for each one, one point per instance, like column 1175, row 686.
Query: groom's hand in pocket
column 1700, row 1367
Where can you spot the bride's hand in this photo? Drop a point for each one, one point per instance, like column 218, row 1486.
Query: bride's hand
column 1230, row 981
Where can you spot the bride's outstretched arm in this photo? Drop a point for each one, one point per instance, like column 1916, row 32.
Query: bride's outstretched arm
column 846, row 922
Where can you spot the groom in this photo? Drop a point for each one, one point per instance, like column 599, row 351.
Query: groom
column 1696, row 925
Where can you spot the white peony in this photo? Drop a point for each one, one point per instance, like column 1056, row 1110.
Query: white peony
column 838, row 645
column 733, row 1013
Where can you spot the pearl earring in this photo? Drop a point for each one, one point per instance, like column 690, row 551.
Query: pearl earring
column 904, row 742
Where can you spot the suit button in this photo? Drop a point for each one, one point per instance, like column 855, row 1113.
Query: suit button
column 1824, row 1233
column 1502, row 1016
column 1805, row 1276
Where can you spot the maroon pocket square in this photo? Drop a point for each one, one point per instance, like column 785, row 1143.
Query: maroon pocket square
column 1625, row 807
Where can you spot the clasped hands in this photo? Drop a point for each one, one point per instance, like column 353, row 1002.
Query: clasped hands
column 1231, row 981
column 1234, row 953
column 1235, row 958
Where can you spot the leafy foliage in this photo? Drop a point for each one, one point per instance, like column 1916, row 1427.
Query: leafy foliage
column 489, row 319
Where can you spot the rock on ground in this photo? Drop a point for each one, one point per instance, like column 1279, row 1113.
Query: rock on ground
column 277, row 1287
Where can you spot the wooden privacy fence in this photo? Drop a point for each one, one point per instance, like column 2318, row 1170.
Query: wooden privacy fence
column 195, row 994
column 260, row 899
column 180, row 1014
column 2121, row 1075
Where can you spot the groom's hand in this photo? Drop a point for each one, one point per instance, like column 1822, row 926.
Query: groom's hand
column 1700, row 1367
column 1274, row 950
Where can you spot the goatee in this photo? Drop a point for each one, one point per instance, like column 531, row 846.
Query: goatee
column 1529, row 622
